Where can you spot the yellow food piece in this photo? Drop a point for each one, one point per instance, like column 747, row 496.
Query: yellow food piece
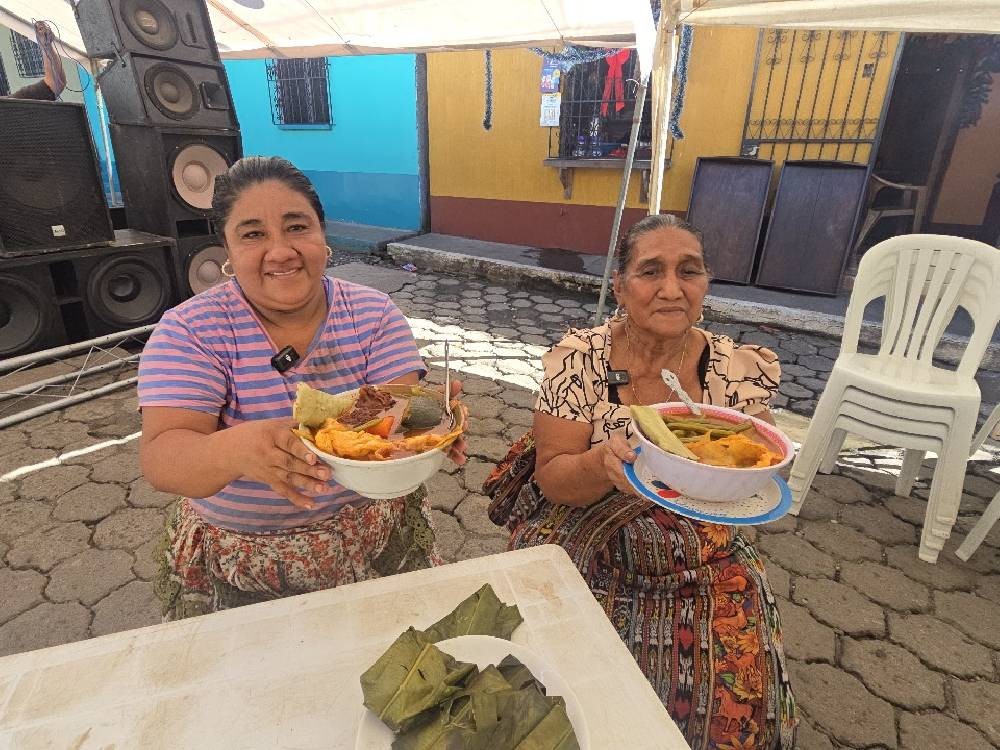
column 735, row 451
column 421, row 443
column 652, row 426
column 312, row 407
column 361, row 446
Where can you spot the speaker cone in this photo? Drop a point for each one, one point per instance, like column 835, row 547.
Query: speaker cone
column 126, row 291
column 193, row 174
column 172, row 91
column 204, row 268
column 151, row 22
column 23, row 316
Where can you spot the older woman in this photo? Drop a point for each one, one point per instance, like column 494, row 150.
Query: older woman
column 261, row 517
column 690, row 599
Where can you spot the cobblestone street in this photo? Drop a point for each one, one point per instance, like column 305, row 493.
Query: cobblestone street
column 884, row 650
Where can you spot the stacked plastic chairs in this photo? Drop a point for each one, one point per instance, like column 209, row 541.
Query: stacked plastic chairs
column 898, row 396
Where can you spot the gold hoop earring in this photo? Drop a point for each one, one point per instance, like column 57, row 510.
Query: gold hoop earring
column 620, row 313
column 329, row 253
column 227, row 269
column 701, row 318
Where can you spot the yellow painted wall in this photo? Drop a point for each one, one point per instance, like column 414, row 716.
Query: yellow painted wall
column 505, row 163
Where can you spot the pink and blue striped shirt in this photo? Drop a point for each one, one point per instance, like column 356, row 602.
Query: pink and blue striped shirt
column 211, row 354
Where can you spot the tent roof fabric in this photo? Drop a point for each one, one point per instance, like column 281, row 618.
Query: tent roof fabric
column 313, row 28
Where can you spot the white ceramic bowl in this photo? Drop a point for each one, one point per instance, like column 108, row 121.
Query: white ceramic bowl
column 712, row 483
column 384, row 480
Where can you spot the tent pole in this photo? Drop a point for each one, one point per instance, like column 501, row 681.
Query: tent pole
column 640, row 104
column 664, row 62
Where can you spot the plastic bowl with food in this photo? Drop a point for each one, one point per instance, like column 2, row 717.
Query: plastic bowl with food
column 706, row 482
column 374, row 462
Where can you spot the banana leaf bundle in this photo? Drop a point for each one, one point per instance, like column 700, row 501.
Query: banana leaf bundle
column 434, row 702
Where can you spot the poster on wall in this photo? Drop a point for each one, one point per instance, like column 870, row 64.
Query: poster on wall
column 550, row 110
column 550, row 78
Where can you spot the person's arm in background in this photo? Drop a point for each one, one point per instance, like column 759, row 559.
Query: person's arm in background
column 55, row 76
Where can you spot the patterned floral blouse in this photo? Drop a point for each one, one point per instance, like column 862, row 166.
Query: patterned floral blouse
column 575, row 385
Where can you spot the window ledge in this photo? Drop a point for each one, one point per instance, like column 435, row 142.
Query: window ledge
column 307, row 126
column 567, row 168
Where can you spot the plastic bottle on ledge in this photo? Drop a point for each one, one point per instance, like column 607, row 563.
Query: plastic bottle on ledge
column 580, row 149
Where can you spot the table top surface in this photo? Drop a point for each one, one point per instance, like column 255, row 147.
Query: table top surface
column 286, row 674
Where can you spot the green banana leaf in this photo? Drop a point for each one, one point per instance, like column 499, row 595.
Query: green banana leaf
column 481, row 614
column 518, row 675
column 411, row 677
column 553, row 732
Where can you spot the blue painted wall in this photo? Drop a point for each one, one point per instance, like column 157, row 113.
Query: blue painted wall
column 365, row 166
column 90, row 101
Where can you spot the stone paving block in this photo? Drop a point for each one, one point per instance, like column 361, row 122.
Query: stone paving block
column 782, row 525
column 491, row 449
column 940, row 645
column 146, row 563
column 816, row 363
column 95, row 410
column 778, row 579
column 483, row 407
column 486, row 427
column 804, row 638
column 937, row 730
column 981, row 486
column 444, row 492
column 129, row 528
column 989, row 587
column 46, row 547
column 839, row 606
column 21, row 517
column 976, row 703
column 8, row 492
column 909, row 509
column 449, row 536
column 89, row 576
column 471, row 513
column 11, row 439
column 520, row 398
column 45, row 625
column 840, row 488
column 819, row 507
column 482, row 546
column 133, row 606
column 877, row 482
column 125, row 423
column 794, row 390
column 885, row 585
column 121, row 466
column 477, row 386
column 795, row 554
column 880, row 524
column 474, row 473
column 965, row 524
column 841, row 705
column 943, row 575
column 22, row 590
column 24, row 457
column 975, row 616
column 142, row 495
column 893, row 673
column 807, row 737
column 840, row 540
column 61, row 436
column 89, row 502
column 986, row 561
column 52, row 482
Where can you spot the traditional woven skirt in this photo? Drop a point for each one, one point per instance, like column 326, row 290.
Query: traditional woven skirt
column 692, row 603
column 204, row 568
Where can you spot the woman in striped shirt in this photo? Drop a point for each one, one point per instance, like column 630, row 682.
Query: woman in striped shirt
column 259, row 516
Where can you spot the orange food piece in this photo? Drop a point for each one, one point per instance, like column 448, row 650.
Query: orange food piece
column 421, row 443
column 734, row 451
column 382, row 428
column 361, row 446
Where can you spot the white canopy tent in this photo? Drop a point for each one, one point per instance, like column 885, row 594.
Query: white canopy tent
column 312, row 28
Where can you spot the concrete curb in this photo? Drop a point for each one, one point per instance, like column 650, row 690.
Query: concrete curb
column 723, row 309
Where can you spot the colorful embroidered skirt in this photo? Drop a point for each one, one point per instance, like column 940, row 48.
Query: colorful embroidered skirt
column 692, row 603
column 204, row 568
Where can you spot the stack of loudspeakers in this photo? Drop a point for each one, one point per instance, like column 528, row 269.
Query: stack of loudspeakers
column 64, row 273
column 173, row 125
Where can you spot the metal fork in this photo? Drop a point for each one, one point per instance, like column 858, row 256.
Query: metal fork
column 447, row 378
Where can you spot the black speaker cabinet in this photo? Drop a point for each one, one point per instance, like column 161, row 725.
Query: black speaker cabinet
column 126, row 288
column 181, row 31
column 167, row 176
column 30, row 318
column 51, row 196
column 141, row 90
column 199, row 264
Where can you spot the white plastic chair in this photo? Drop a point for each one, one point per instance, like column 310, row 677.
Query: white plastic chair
column 898, row 396
column 914, row 459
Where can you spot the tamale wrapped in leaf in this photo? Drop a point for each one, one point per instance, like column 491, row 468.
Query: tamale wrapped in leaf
column 553, row 732
column 481, row 614
column 411, row 677
column 518, row 675
column 313, row 407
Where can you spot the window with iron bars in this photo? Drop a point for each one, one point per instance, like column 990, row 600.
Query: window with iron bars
column 27, row 56
column 300, row 91
column 595, row 118
column 4, row 83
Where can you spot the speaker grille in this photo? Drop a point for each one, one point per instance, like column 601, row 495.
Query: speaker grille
column 204, row 268
column 150, row 22
column 125, row 291
column 172, row 91
column 50, row 192
column 193, row 171
column 24, row 315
